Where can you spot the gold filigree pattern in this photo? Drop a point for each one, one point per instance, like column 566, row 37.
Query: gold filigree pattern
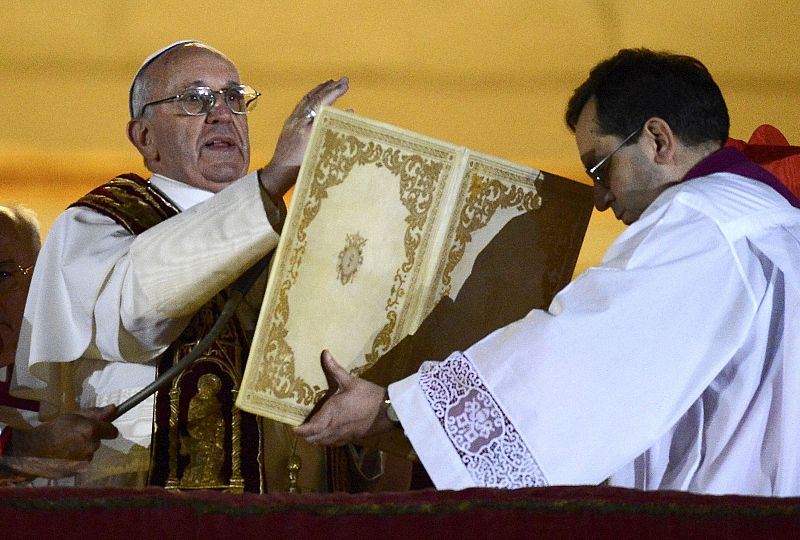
column 449, row 200
column 485, row 190
column 338, row 154
column 487, row 194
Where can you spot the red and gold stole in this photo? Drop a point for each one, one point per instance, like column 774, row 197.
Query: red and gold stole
column 200, row 440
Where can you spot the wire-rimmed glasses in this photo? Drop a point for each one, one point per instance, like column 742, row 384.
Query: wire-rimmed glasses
column 9, row 275
column 200, row 100
column 595, row 173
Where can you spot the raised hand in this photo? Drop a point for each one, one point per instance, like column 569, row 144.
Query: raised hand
column 281, row 172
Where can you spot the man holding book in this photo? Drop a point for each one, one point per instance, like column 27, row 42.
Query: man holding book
column 672, row 365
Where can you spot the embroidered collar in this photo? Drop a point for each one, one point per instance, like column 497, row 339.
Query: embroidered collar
column 733, row 161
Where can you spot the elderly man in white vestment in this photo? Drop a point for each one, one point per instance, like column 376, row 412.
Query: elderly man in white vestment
column 675, row 364
column 109, row 302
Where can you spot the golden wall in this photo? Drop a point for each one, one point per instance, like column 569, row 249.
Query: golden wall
column 491, row 75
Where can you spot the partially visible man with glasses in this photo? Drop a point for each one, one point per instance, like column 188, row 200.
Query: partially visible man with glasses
column 19, row 245
column 128, row 272
column 60, row 446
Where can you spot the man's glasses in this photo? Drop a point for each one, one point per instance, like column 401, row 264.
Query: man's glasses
column 596, row 172
column 9, row 275
column 200, row 100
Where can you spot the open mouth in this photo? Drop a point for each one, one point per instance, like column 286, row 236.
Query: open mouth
column 219, row 144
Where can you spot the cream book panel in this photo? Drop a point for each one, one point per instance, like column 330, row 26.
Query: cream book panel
column 383, row 224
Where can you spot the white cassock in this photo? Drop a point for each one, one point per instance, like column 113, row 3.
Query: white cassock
column 675, row 364
column 112, row 302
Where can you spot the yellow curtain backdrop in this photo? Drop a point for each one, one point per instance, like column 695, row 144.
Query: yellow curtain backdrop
column 494, row 76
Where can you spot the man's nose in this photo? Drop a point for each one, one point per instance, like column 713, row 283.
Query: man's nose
column 220, row 112
column 602, row 197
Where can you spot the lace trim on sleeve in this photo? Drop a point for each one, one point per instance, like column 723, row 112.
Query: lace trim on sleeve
column 491, row 449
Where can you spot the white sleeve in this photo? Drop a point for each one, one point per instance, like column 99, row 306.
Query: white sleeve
column 99, row 292
column 581, row 389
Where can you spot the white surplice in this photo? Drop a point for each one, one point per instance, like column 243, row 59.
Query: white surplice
column 675, row 364
column 110, row 303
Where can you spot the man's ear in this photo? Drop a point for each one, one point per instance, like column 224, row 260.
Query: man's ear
column 139, row 134
column 663, row 140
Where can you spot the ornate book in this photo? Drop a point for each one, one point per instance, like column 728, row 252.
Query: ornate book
column 388, row 228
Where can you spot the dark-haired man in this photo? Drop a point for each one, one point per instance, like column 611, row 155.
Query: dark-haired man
column 124, row 271
column 672, row 365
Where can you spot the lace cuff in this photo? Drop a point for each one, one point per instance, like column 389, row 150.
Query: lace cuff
column 490, row 447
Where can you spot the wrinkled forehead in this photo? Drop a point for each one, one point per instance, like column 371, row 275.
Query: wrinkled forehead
column 193, row 64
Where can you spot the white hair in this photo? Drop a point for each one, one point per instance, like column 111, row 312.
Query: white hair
column 24, row 220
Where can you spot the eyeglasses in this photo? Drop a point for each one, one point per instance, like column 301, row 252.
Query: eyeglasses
column 200, row 100
column 595, row 172
column 8, row 275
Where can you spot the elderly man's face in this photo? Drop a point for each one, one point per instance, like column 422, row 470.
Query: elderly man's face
column 208, row 151
column 16, row 249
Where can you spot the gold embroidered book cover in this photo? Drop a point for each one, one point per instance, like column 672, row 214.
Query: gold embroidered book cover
column 384, row 223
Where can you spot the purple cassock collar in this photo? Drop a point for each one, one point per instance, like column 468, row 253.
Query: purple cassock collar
column 733, row 161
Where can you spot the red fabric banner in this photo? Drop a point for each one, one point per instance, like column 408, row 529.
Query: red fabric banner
column 555, row 512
